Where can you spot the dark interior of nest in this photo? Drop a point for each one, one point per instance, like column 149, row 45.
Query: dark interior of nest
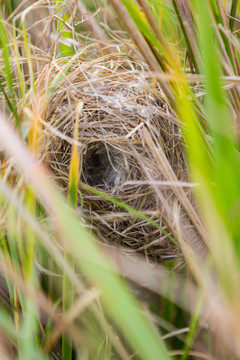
column 119, row 108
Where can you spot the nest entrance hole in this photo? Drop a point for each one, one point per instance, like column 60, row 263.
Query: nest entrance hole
column 101, row 166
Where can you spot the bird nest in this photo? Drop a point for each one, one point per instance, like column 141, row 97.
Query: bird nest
column 124, row 126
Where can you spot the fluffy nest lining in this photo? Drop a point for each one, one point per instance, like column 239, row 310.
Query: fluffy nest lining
column 121, row 111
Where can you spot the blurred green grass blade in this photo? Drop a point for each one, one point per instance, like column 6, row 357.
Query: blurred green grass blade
column 216, row 7
column 74, row 163
column 30, row 342
column 12, row 238
column 23, row 331
column 9, row 104
column 226, row 171
column 6, row 55
column 6, row 323
column 187, row 40
column 143, row 25
column 27, row 41
column 19, row 68
column 12, row 5
column 5, row 254
column 233, row 14
column 30, row 240
column 118, row 301
column 164, row 16
column 10, row 97
column 28, row 51
column 68, row 286
column 193, row 326
column 28, row 350
column 145, row 47
column 63, row 32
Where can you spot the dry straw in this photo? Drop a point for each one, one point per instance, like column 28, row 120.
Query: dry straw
column 130, row 148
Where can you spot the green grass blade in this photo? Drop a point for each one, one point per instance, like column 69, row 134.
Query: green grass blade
column 128, row 208
column 141, row 21
column 68, row 287
column 227, row 169
column 56, row 81
column 193, row 327
column 187, row 40
column 10, row 97
column 28, row 51
column 64, row 34
column 233, row 14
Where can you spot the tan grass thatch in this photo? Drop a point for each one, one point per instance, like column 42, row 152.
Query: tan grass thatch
column 130, row 147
